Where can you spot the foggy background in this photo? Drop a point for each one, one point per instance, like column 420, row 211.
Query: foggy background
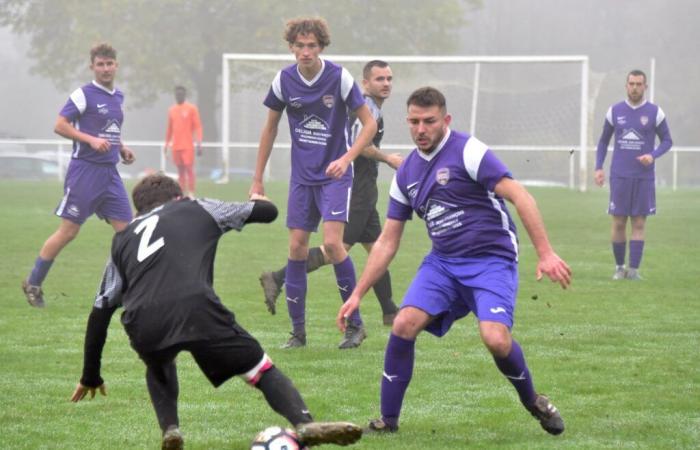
column 44, row 56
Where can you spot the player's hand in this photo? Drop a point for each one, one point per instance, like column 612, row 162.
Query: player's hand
column 259, row 197
column 81, row 391
column 336, row 169
column 350, row 305
column 100, row 145
column 599, row 177
column 256, row 188
column 646, row 159
column 555, row 268
column 394, row 160
column 127, row 155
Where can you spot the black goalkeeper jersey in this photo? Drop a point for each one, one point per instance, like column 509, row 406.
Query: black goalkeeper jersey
column 164, row 262
column 366, row 170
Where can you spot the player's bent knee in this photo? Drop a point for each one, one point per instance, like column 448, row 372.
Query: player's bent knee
column 253, row 375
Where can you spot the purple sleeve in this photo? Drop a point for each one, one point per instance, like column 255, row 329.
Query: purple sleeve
column 398, row 211
column 491, row 171
column 355, row 98
column 665, row 137
column 603, row 142
column 70, row 111
column 272, row 102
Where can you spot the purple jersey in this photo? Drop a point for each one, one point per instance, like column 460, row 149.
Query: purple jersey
column 635, row 129
column 98, row 112
column 317, row 113
column 451, row 189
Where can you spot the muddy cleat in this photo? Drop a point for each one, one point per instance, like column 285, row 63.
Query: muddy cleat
column 172, row 439
column 354, row 335
column 388, row 319
column 34, row 294
column 544, row 411
column 633, row 274
column 379, row 426
column 297, row 340
column 620, row 273
column 338, row 433
column 271, row 289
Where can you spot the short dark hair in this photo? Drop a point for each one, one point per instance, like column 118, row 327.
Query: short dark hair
column 102, row 50
column 180, row 87
column 308, row 25
column 427, row 96
column 153, row 191
column 367, row 70
column 637, row 73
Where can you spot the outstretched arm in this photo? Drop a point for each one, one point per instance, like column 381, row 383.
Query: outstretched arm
column 549, row 263
column 337, row 168
column 393, row 160
column 383, row 252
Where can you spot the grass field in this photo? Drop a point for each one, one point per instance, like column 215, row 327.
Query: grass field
column 619, row 359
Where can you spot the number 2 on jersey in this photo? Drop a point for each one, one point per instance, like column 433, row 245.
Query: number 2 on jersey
column 147, row 248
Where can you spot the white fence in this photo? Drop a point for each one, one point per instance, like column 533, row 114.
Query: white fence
column 537, row 165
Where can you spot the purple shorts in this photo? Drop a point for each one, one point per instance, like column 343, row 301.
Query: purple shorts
column 632, row 197
column 450, row 288
column 93, row 188
column 307, row 204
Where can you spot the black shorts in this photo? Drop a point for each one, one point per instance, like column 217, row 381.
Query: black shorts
column 363, row 226
column 219, row 359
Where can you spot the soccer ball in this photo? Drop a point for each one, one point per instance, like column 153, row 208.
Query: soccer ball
column 276, row 438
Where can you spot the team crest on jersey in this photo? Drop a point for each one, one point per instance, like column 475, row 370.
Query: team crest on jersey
column 644, row 120
column 328, row 101
column 442, row 176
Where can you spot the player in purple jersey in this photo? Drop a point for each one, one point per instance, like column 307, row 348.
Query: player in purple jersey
column 92, row 117
column 635, row 124
column 317, row 95
column 457, row 186
column 364, row 226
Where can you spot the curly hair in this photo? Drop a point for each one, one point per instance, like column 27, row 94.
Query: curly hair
column 308, row 25
column 153, row 191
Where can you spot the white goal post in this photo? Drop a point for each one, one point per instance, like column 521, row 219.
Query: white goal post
column 478, row 62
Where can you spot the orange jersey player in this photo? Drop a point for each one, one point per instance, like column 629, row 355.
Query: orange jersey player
column 184, row 127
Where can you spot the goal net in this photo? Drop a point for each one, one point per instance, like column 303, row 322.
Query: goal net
column 531, row 110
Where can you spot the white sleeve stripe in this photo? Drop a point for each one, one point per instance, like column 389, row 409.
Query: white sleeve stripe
column 608, row 116
column 78, row 99
column 660, row 116
column 472, row 155
column 396, row 194
column 277, row 86
column 346, row 82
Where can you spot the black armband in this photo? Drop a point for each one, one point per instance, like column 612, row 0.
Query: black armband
column 263, row 212
column 95, row 337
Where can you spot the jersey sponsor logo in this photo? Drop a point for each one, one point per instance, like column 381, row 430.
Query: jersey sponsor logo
column 644, row 120
column 442, row 176
column 630, row 140
column 112, row 127
column 328, row 101
column 498, row 310
column 631, row 135
column 313, row 122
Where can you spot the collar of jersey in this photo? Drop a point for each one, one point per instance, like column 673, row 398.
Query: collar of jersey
column 315, row 78
column 437, row 150
column 99, row 86
column 636, row 107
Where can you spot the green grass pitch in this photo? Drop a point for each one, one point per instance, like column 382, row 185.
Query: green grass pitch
column 619, row 359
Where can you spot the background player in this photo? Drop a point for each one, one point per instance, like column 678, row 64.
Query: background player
column 317, row 95
column 457, row 186
column 92, row 117
column 635, row 123
column 363, row 226
column 184, row 126
column 168, row 308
